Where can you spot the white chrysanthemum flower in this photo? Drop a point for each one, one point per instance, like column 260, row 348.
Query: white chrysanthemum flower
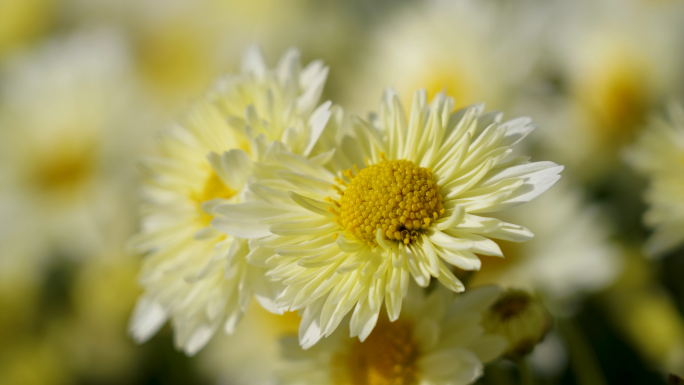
column 570, row 254
column 67, row 113
column 194, row 274
column 470, row 48
column 659, row 154
column 614, row 61
column 435, row 341
column 353, row 240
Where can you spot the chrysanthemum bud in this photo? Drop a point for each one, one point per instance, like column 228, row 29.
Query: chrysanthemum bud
column 520, row 318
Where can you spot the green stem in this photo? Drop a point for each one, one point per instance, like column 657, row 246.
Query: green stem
column 525, row 372
column 583, row 359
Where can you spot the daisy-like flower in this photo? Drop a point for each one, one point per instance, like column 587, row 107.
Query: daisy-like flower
column 68, row 110
column 436, row 340
column 470, row 48
column 617, row 60
column 351, row 240
column 659, row 154
column 194, row 274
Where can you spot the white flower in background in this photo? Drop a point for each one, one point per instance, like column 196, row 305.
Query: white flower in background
column 569, row 255
column 194, row 274
column 413, row 208
column 613, row 61
column 476, row 50
column 436, row 341
column 659, row 155
column 67, row 114
column 181, row 45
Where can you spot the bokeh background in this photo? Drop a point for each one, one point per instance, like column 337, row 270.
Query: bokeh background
column 85, row 85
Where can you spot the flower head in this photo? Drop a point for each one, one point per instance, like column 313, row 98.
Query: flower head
column 436, row 340
column 617, row 61
column 407, row 205
column 194, row 274
column 66, row 113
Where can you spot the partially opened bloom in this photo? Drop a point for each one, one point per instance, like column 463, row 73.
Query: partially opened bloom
column 194, row 274
column 519, row 317
column 659, row 154
column 410, row 208
column 436, row 340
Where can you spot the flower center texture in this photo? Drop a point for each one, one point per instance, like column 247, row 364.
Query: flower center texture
column 396, row 196
column 387, row 357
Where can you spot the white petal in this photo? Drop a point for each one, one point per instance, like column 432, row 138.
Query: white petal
column 538, row 177
column 454, row 367
column 448, row 279
column 364, row 320
column 253, row 62
column 198, row 339
column 488, row 348
column 309, row 327
column 312, row 205
column 236, row 168
column 453, row 220
column 240, row 228
column 148, row 317
column 475, row 300
column 517, row 130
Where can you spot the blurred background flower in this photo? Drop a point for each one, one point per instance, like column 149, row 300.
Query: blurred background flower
column 86, row 85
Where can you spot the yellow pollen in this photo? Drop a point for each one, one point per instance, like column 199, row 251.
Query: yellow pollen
column 387, row 357
column 396, row 196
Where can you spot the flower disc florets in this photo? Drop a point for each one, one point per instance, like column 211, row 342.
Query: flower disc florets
column 396, row 196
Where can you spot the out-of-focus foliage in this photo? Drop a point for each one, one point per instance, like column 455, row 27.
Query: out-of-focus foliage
column 86, row 85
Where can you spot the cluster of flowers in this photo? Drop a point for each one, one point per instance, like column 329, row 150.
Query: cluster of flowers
column 262, row 191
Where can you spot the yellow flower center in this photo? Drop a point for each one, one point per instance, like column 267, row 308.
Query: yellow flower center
column 64, row 170
column 459, row 83
column 387, row 357
column 396, row 196
column 626, row 101
column 213, row 188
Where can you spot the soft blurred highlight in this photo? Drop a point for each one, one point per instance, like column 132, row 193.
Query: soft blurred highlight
column 85, row 86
